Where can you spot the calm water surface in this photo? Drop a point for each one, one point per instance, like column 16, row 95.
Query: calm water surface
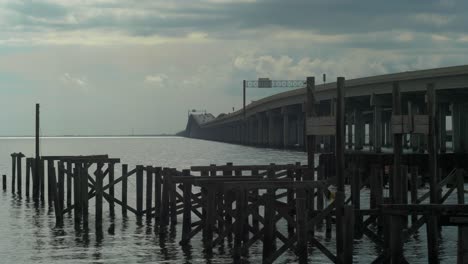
column 28, row 235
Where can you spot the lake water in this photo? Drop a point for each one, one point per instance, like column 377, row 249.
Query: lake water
column 28, row 233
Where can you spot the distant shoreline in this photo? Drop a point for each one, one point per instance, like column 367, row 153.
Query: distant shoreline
column 90, row 136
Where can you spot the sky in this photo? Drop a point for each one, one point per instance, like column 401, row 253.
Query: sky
column 113, row 67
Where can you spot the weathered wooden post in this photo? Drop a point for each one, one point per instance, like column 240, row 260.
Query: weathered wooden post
column 462, row 252
column 431, row 225
column 84, row 194
column 42, row 178
column 54, row 196
column 110, row 167
column 396, row 237
column 19, row 170
column 69, row 172
column 255, row 222
column 173, row 197
column 269, row 238
column 139, row 192
column 4, row 181
column 404, row 186
column 310, row 113
column 124, row 189
column 320, row 192
column 99, row 195
column 165, row 199
column 28, row 175
column 414, row 190
column 13, row 172
column 356, row 198
column 37, row 164
column 340, row 167
column 187, row 213
column 225, row 209
column 301, row 225
column 157, row 192
column 239, row 227
column 77, row 195
column 50, row 199
column 290, row 199
column 376, row 186
column 210, row 217
column 348, row 236
column 149, row 192
column 61, row 175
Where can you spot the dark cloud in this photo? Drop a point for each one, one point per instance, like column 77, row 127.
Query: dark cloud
column 225, row 19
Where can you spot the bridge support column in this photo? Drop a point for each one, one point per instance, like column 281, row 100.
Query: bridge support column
column 285, row 139
column 271, row 129
column 459, row 121
column 359, row 130
column 349, row 128
column 443, row 109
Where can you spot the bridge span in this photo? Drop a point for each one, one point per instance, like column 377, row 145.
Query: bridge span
column 278, row 121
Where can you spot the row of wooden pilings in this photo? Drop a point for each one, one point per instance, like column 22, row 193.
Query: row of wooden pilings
column 223, row 202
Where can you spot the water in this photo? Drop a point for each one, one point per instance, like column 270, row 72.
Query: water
column 27, row 233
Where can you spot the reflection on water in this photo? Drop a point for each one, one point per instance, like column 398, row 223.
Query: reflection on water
column 28, row 233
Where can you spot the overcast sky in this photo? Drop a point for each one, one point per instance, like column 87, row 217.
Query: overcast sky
column 110, row 66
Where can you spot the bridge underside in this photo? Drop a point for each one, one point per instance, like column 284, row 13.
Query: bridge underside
column 278, row 121
column 367, row 124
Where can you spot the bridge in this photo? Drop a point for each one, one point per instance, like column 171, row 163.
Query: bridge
column 279, row 121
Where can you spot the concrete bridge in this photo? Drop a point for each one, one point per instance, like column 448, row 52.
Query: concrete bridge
column 278, row 121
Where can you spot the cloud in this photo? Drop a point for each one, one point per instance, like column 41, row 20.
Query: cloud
column 80, row 82
column 157, row 80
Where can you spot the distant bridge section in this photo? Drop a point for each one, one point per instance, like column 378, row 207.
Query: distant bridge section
column 278, row 121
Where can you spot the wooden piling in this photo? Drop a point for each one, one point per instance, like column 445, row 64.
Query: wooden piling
column 301, row 226
column 462, row 250
column 356, row 199
column 77, row 195
column 28, row 175
column 124, row 189
column 19, row 170
column 404, row 186
column 69, row 171
column 269, row 238
column 173, row 198
column 340, row 167
column 41, row 179
column 376, row 199
column 139, row 192
column 99, row 196
column 54, row 196
column 239, row 227
column 255, row 222
column 165, row 199
column 187, row 211
column 320, row 192
column 13, row 172
column 157, row 192
column 4, row 181
column 224, row 209
column 149, row 192
column 396, row 237
column 290, row 200
column 110, row 175
column 414, row 190
column 37, row 162
column 84, row 194
column 60, row 186
column 432, row 225
column 349, row 219
column 50, row 199
column 209, row 220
